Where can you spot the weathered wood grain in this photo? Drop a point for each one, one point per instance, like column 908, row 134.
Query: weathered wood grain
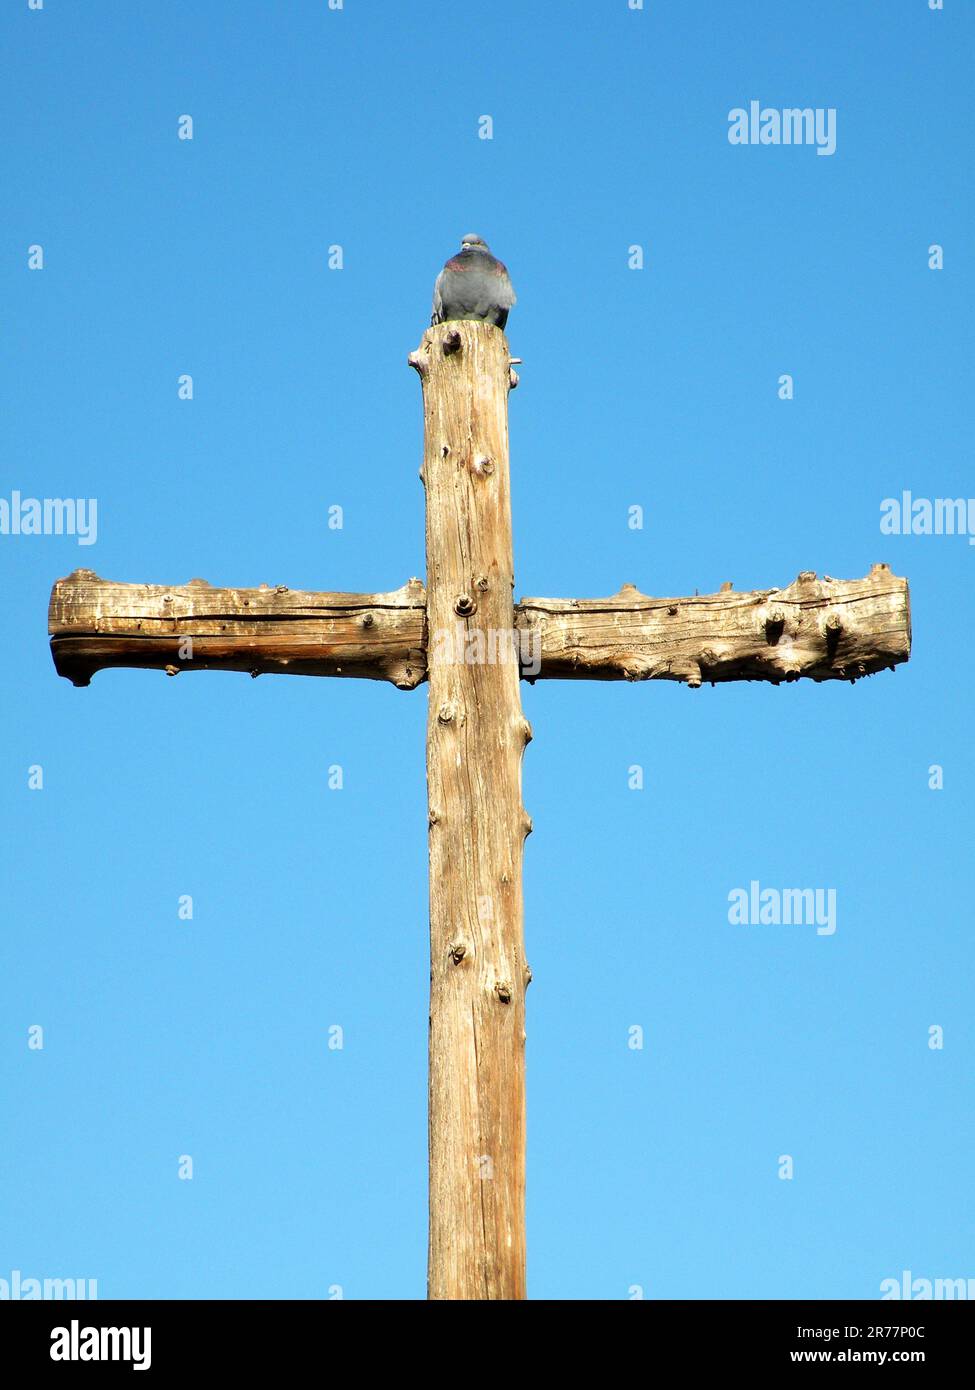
column 475, row 742
column 95, row 623
column 820, row 629
column 823, row 629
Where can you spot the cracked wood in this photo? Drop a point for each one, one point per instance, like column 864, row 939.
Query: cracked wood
column 476, row 735
column 821, row 629
column 95, row 624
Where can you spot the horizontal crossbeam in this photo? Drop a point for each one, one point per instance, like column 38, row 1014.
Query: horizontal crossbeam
column 822, row 629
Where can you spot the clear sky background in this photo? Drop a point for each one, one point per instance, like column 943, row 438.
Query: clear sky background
column 359, row 127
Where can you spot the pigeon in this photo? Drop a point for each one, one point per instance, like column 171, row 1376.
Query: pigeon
column 473, row 285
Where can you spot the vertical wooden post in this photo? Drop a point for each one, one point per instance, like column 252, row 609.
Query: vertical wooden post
column 475, row 741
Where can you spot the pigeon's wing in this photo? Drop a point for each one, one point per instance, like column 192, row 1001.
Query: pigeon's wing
column 451, row 293
column 506, row 297
column 437, row 315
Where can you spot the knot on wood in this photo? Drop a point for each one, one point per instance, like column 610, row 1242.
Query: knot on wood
column 832, row 631
column 451, row 342
column 457, row 952
column 465, row 605
column 503, row 990
column 632, row 669
column 774, row 626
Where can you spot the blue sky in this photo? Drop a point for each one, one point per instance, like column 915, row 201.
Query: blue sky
column 657, row 1168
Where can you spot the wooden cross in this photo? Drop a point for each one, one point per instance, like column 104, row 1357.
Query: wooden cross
column 465, row 636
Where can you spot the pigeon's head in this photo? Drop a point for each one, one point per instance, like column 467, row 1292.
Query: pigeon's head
column 472, row 242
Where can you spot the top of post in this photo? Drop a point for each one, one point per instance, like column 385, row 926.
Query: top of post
column 471, row 341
